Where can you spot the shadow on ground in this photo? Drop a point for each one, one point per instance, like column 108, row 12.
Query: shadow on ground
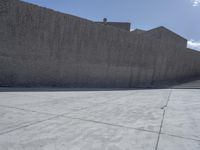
column 193, row 83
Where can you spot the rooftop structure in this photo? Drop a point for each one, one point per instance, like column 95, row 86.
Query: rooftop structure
column 165, row 35
column 120, row 25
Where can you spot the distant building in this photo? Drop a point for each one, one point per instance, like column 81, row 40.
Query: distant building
column 163, row 34
column 160, row 33
column 138, row 31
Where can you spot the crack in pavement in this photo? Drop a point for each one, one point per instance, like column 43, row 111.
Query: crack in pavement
column 54, row 116
column 163, row 108
column 110, row 124
column 177, row 136
column 168, row 98
column 28, row 110
column 62, row 115
column 19, row 108
column 24, row 126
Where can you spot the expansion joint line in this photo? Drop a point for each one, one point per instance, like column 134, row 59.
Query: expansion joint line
column 31, row 124
column 168, row 98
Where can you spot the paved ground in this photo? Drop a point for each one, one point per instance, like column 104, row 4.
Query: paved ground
column 189, row 85
column 154, row 119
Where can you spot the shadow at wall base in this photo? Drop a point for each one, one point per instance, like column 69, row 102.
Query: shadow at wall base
column 171, row 83
column 94, row 86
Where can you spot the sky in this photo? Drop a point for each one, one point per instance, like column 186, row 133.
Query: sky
column 180, row 16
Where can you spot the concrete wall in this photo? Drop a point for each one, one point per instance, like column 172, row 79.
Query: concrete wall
column 41, row 47
column 120, row 25
column 138, row 31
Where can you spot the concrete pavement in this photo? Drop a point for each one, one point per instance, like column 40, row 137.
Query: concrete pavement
column 151, row 119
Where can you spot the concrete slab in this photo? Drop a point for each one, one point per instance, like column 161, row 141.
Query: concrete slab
column 23, row 97
column 69, row 102
column 121, row 119
column 174, row 143
column 144, row 99
column 11, row 118
column 185, row 95
column 14, row 99
column 182, row 117
column 59, row 107
column 63, row 133
column 140, row 109
column 182, row 123
column 122, row 115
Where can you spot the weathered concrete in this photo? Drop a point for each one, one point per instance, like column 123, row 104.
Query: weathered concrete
column 120, row 25
column 166, row 35
column 39, row 119
column 189, row 85
column 138, row 31
column 41, row 47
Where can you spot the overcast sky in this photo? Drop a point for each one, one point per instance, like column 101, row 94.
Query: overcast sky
column 180, row 16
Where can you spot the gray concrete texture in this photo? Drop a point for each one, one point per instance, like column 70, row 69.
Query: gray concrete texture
column 120, row 25
column 64, row 119
column 41, row 47
column 167, row 36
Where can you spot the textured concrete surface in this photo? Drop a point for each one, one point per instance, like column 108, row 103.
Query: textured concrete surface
column 166, row 35
column 192, row 84
column 120, row 25
column 137, row 119
column 41, row 47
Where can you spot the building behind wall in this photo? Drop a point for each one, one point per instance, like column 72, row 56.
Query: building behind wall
column 120, row 25
column 165, row 35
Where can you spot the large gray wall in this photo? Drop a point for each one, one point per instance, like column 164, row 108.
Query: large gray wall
column 41, row 47
column 120, row 25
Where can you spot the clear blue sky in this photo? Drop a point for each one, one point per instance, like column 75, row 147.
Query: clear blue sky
column 181, row 16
